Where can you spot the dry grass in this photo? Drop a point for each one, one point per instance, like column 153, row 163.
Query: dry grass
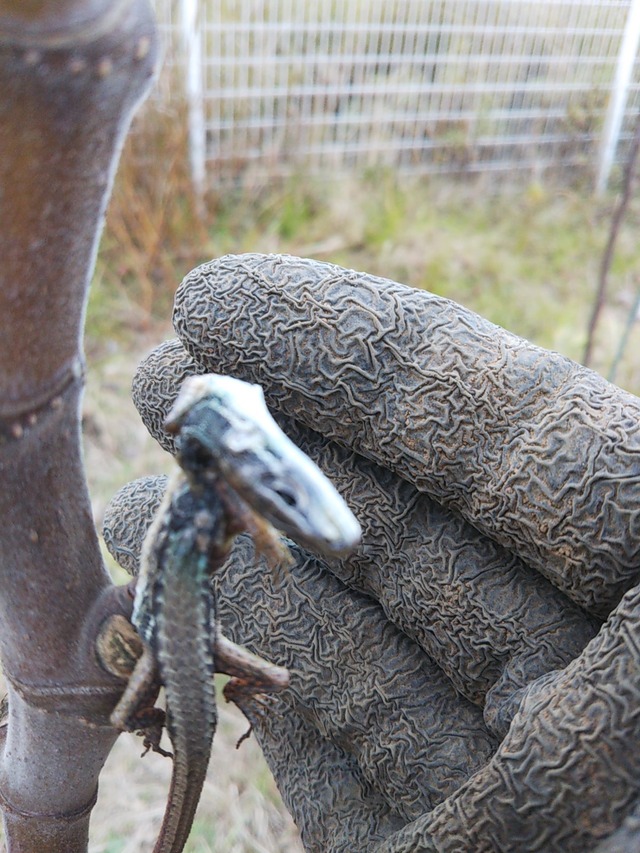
column 526, row 257
column 153, row 231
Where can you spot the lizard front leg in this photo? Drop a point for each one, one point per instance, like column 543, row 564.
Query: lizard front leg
column 251, row 677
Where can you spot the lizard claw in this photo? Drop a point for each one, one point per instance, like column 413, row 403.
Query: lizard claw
column 244, row 736
column 151, row 743
column 253, row 705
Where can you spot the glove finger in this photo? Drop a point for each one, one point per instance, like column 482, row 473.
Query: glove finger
column 489, row 621
column 566, row 775
column 536, row 451
column 128, row 516
column 334, row 806
column 392, row 719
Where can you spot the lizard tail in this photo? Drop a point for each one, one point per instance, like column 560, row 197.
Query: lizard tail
column 185, row 644
column 184, row 795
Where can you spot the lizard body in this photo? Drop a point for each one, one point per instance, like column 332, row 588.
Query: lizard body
column 239, row 472
column 182, row 599
column 175, row 617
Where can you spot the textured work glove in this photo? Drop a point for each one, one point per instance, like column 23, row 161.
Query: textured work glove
column 452, row 685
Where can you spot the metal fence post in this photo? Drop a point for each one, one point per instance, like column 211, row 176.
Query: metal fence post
column 619, row 95
column 191, row 32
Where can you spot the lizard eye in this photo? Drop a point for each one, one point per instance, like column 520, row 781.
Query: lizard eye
column 281, row 488
column 286, row 496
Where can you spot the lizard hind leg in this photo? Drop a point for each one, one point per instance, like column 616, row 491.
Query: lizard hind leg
column 136, row 711
column 151, row 727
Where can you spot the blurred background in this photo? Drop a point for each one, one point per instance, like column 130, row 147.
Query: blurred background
column 476, row 149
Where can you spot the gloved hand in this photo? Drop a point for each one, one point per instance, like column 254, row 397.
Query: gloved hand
column 451, row 685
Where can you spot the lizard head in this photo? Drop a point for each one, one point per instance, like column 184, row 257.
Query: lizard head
column 224, row 427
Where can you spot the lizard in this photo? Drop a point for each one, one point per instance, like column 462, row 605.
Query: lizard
column 238, row 471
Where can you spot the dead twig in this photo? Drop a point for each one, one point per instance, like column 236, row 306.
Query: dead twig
column 607, row 257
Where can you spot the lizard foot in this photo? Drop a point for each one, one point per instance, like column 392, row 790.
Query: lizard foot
column 149, row 725
column 254, row 706
column 151, row 741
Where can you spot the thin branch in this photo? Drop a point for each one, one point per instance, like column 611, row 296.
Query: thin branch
column 632, row 316
column 607, row 257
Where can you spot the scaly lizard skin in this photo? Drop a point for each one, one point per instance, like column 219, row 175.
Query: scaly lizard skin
column 239, row 473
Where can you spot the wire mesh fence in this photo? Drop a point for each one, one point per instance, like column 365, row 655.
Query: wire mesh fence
column 422, row 86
